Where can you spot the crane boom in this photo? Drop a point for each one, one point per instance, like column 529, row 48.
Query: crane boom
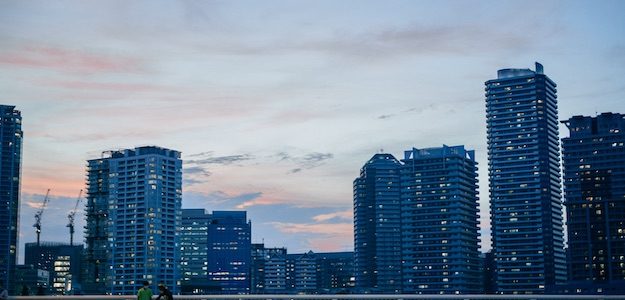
column 39, row 214
column 71, row 217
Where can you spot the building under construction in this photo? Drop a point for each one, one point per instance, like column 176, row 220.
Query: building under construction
column 134, row 199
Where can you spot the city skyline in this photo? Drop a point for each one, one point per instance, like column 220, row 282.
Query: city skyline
column 280, row 121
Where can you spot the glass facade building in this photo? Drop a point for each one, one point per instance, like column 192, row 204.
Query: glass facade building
column 62, row 261
column 439, row 214
column 524, row 181
column 10, row 172
column 594, row 185
column 133, row 213
column 335, row 272
column 229, row 252
column 377, row 222
column 194, row 251
column 30, row 280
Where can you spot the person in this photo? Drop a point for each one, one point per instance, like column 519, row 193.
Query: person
column 4, row 294
column 25, row 291
column 145, row 293
column 164, row 293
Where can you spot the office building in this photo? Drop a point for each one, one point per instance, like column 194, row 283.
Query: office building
column 594, row 185
column 488, row 272
column 302, row 273
column 377, row 239
column 335, row 272
column 133, row 212
column 268, row 273
column 524, row 175
column 229, row 252
column 10, row 170
column 439, row 213
column 30, row 280
column 194, row 252
column 63, row 263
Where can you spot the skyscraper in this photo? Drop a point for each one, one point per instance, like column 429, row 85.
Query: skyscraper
column 594, row 185
column 10, row 170
column 96, row 229
column 439, row 209
column 133, row 212
column 377, row 239
column 194, row 251
column 524, row 174
column 229, row 251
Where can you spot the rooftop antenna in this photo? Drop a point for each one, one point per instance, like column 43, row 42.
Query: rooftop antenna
column 39, row 214
column 70, row 217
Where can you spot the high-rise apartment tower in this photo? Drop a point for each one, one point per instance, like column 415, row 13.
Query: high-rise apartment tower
column 10, row 173
column 524, row 174
column 439, row 209
column 594, row 185
column 377, row 222
column 133, row 213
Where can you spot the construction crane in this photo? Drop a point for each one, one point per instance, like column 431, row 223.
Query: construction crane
column 70, row 217
column 39, row 214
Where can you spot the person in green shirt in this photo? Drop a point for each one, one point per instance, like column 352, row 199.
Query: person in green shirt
column 145, row 293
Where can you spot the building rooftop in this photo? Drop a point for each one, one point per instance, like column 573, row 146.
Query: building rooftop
column 438, row 152
column 509, row 73
column 142, row 150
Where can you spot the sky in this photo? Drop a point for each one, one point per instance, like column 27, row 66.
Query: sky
column 276, row 105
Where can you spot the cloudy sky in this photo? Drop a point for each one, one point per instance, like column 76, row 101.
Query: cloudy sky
column 276, row 105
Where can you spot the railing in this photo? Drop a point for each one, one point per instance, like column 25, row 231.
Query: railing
column 335, row 297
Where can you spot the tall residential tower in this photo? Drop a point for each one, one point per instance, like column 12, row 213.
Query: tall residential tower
column 594, row 185
column 10, row 171
column 524, row 174
column 377, row 237
column 439, row 209
column 133, row 213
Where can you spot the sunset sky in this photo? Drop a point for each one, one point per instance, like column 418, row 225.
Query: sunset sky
column 276, row 105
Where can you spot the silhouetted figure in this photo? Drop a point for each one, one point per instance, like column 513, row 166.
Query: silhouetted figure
column 4, row 294
column 25, row 291
column 164, row 293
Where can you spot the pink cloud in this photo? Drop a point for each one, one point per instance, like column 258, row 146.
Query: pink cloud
column 59, row 185
column 106, row 86
column 36, row 205
column 260, row 201
column 331, row 229
column 68, row 60
column 346, row 214
column 332, row 243
column 328, row 236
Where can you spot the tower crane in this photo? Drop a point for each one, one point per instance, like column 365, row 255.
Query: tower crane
column 39, row 214
column 70, row 217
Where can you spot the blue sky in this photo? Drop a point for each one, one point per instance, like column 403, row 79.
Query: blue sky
column 277, row 104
